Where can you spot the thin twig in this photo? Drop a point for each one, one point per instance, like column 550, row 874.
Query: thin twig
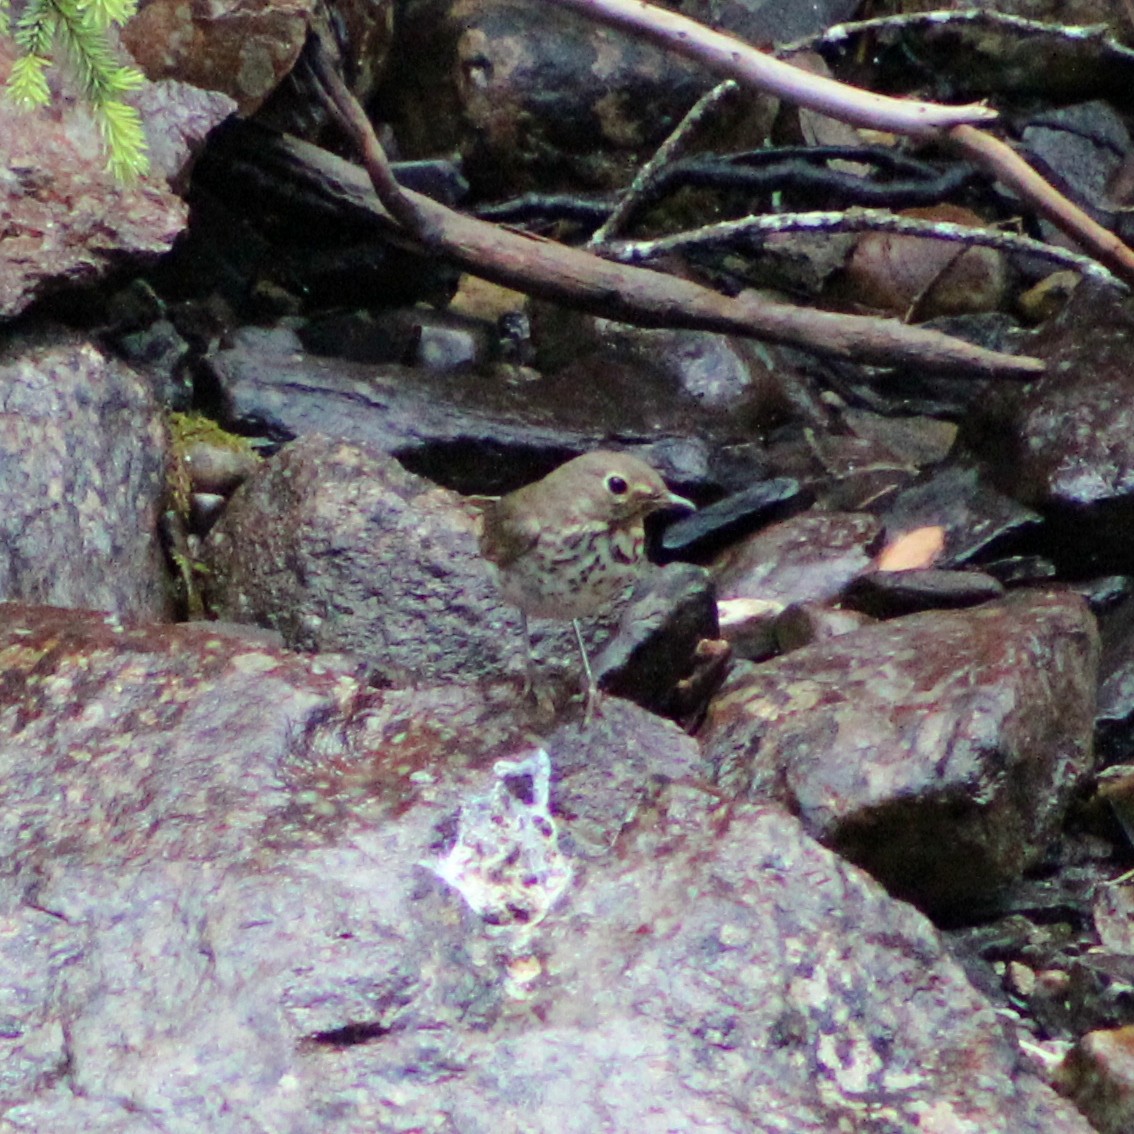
column 738, row 60
column 648, row 298
column 853, row 220
column 840, row 33
column 1014, row 172
column 670, row 149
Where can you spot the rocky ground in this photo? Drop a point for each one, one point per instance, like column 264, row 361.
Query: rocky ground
column 286, row 846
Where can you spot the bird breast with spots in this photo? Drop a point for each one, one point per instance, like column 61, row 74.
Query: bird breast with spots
column 578, row 573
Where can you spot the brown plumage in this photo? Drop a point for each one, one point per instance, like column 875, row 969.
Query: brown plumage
column 570, row 544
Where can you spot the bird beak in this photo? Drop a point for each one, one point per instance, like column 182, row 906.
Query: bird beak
column 675, row 501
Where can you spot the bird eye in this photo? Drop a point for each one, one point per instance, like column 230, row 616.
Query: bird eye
column 616, row 485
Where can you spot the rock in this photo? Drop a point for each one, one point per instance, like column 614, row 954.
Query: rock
column 67, row 221
column 749, row 626
column 162, row 355
column 339, row 548
column 722, row 373
column 1080, row 148
column 918, row 278
column 473, row 432
column 759, row 22
column 738, row 514
column 279, row 898
column 83, row 449
column 535, row 97
column 808, row 558
column 1114, row 736
column 1025, row 570
column 241, row 50
column 918, row 440
column 937, row 751
column 848, row 474
column 434, row 340
column 178, row 118
column 803, row 624
column 657, row 638
column 217, row 468
column 888, row 594
column 979, row 521
column 1098, row 1074
column 1045, row 300
column 1069, row 448
column 983, row 56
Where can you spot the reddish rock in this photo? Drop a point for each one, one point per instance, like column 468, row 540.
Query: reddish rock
column 1099, row 1075
column 243, row 891
column 917, row 278
column 808, row 558
column 240, row 49
column 938, row 751
column 66, row 220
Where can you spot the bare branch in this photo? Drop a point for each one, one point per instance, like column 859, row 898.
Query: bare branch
column 986, row 17
column 666, row 153
column 345, row 107
column 1014, row 172
column 738, row 60
column 850, row 104
column 853, row 220
column 637, row 295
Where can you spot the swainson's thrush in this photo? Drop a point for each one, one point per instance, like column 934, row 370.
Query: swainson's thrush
column 570, row 544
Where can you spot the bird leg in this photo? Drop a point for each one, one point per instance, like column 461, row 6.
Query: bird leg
column 529, row 670
column 593, row 706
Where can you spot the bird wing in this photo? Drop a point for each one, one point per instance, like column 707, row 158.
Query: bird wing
column 504, row 536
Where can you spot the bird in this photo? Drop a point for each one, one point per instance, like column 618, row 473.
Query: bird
column 569, row 545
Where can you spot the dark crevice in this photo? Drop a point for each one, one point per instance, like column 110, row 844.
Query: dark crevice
column 350, row 1035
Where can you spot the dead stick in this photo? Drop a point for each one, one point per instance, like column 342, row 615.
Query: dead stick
column 666, row 153
column 1011, row 169
column 638, row 295
column 743, row 62
column 738, row 60
column 400, row 204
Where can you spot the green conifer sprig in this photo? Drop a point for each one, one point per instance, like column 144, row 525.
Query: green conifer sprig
column 77, row 30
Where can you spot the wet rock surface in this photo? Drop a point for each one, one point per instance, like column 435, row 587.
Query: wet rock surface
column 477, row 433
column 1072, row 430
column 886, row 594
column 82, row 448
column 906, row 746
column 67, row 221
column 812, row 557
column 327, row 916
column 324, row 865
column 669, row 615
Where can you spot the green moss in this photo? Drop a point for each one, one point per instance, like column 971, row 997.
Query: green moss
column 185, row 431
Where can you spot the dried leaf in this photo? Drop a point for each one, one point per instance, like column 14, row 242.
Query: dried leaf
column 914, row 550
